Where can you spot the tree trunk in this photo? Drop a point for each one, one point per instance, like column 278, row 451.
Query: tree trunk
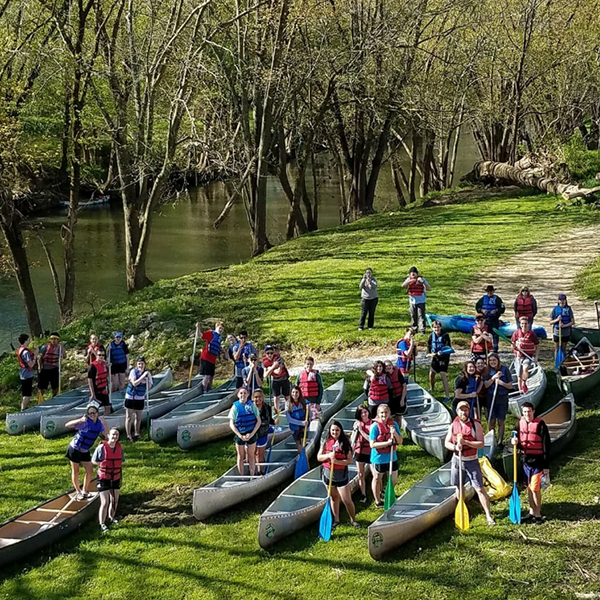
column 412, row 182
column 396, row 178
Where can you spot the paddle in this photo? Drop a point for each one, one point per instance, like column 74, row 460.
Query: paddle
column 193, row 357
column 59, row 368
column 390, row 494
column 560, row 355
column 461, row 514
column 445, row 350
column 268, row 460
column 415, row 363
column 514, row 507
column 148, row 408
column 109, row 378
column 512, row 344
column 487, row 354
column 302, row 462
column 492, row 405
column 326, row 522
column 597, row 305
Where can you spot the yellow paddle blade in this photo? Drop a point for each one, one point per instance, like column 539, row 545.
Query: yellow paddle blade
column 461, row 516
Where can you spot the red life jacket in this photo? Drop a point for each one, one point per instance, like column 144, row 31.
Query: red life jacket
column 309, row 386
column 110, row 467
column 22, row 363
column 362, row 445
column 527, row 344
column 524, row 306
column 281, row 373
column 530, row 440
column 93, row 353
column 385, row 433
column 398, row 381
column 479, row 348
column 101, row 376
column 50, row 357
column 378, row 391
column 468, row 433
column 415, row 288
column 339, row 455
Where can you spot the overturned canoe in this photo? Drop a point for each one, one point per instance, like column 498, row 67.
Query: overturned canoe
column 234, row 487
column 424, row 505
column 536, row 388
column 465, row 323
column 562, row 426
column 579, row 372
column 53, row 425
column 427, row 421
column 26, row 534
column 302, row 502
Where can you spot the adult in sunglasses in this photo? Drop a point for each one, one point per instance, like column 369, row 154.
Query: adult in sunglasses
column 98, row 382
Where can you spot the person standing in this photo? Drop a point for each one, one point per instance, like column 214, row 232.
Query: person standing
column 362, row 447
column 527, row 349
column 254, row 374
column 492, row 307
column 466, row 388
column 211, row 351
column 482, row 341
column 525, row 306
column 91, row 352
column 397, row 401
column 297, row 416
column 27, row 359
column 533, row 442
column 109, row 457
column 500, row 376
column 266, row 428
column 140, row 381
column 244, row 421
column 379, row 387
column 49, row 360
column 562, row 318
column 275, row 368
column 368, row 299
column 417, row 296
column 464, row 438
column 406, row 351
column 440, row 362
column 241, row 352
column 118, row 357
column 98, row 382
column 310, row 382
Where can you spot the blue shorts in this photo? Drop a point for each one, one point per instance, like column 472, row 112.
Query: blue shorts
column 533, row 476
column 500, row 409
column 263, row 440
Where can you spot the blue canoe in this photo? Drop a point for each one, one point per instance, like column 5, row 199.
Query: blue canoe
column 464, row 324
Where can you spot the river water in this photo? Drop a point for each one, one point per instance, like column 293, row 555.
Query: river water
column 183, row 240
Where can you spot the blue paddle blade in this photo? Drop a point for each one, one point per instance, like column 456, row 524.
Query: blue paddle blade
column 560, row 356
column 447, row 350
column 514, row 507
column 301, row 465
column 326, row 522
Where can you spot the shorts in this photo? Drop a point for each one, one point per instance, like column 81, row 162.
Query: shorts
column 48, row 377
column 520, row 364
column 263, row 440
column 27, row 387
column 281, row 387
column 298, row 435
column 396, row 409
column 104, row 485
column 77, row 456
column 118, row 368
column 439, row 364
column 564, row 338
column 241, row 442
column 363, row 458
column 340, row 477
column 471, row 469
column 103, row 399
column 533, row 476
column 500, row 409
column 207, row 368
column 132, row 404
column 385, row 467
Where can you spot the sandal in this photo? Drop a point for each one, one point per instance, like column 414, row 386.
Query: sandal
column 355, row 524
column 137, row 437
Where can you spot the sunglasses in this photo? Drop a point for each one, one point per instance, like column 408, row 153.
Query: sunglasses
column 92, row 412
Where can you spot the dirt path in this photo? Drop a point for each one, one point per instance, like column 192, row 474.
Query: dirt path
column 548, row 270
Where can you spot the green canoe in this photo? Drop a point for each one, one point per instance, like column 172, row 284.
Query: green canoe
column 579, row 372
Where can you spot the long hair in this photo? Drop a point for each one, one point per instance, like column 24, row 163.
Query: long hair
column 343, row 439
column 464, row 373
column 301, row 400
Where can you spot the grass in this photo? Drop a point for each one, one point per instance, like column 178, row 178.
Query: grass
column 589, row 281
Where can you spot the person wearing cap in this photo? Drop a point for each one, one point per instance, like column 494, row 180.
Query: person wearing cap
column 118, row 357
column 526, row 347
column 562, row 318
column 481, row 339
column 525, row 306
column 492, row 308
column 98, row 381
column 417, row 287
column 253, row 374
column 369, row 297
column 464, row 438
column 27, row 358
column 211, row 351
column 140, row 382
column 241, row 352
column 280, row 377
column 49, row 359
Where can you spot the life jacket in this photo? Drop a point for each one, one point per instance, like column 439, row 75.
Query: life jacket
column 298, row 412
column 101, row 376
column 524, row 306
column 403, row 360
column 51, row 356
column 362, row 445
column 214, row 346
column 566, row 314
column 489, row 305
column 110, row 467
column 468, row 433
column 398, row 381
column 527, row 345
column 479, row 347
column 136, row 392
column 84, row 440
column 328, row 446
column 308, row 384
column 246, row 419
column 436, row 343
column 242, row 361
column 283, row 372
column 385, row 431
column 117, row 354
column 378, row 391
column 22, row 363
column 530, row 440
column 415, row 288
column 265, row 420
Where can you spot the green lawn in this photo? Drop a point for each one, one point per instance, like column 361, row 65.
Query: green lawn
column 589, row 281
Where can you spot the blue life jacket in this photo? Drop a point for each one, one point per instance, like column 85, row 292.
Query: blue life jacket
column 436, row 342
column 489, row 304
column 246, row 419
column 117, row 354
column 402, row 346
column 84, row 440
column 139, row 391
column 242, row 361
column 506, row 377
column 472, row 387
column 298, row 413
column 214, row 346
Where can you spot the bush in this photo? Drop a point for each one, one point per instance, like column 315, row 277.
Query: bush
column 583, row 164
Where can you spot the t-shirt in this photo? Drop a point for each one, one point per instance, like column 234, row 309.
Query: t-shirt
column 250, row 406
column 208, row 336
column 418, row 299
column 98, row 455
column 381, row 458
column 26, row 372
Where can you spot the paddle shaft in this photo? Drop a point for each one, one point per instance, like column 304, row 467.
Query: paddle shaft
column 109, row 378
column 193, row 358
column 497, row 331
column 492, row 406
column 148, row 408
column 515, row 460
column 272, row 440
column 59, row 368
column 597, row 312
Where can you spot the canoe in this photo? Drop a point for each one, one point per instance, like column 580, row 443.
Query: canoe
column 536, row 388
column 464, row 324
column 424, row 505
column 23, row 536
column 193, row 409
column 53, row 425
column 574, row 378
column 234, row 487
column 426, row 420
column 592, row 334
column 303, row 501
column 217, row 427
column 562, row 426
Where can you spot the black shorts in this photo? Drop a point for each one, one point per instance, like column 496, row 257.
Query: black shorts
column 396, row 409
column 241, row 442
column 27, row 387
column 340, row 477
column 118, row 368
column 564, row 339
column 207, row 368
column 281, row 387
column 48, row 377
column 103, row 399
column 77, row 456
column 298, row 435
column 105, row 485
column 135, row 404
column 363, row 458
column 439, row 364
column 385, row 467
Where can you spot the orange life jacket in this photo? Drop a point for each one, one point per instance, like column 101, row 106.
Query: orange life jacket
column 479, row 347
column 415, row 288
column 101, row 381
column 362, row 445
column 22, row 363
column 50, row 357
column 398, row 381
column 527, row 345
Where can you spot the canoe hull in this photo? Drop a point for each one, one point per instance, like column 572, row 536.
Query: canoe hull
column 579, row 386
column 537, row 388
column 464, row 324
column 593, row 335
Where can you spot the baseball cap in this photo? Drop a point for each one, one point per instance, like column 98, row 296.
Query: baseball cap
column 268, row 348
column 562, row 296
column 463, row 404
column 118, row 334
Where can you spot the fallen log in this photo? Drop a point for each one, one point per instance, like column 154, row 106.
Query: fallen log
column 487, row 170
